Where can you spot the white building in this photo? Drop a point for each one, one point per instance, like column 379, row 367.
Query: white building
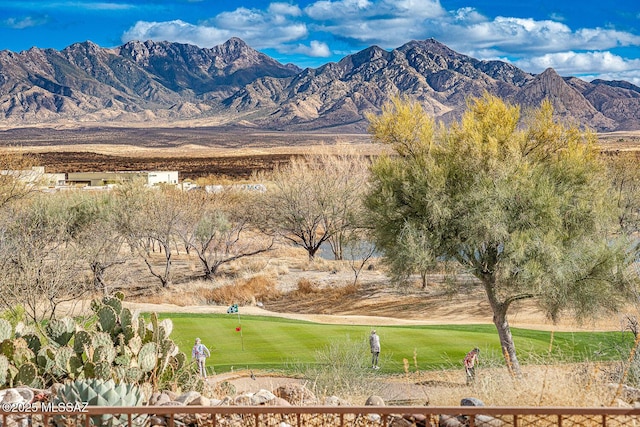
column 99, row 179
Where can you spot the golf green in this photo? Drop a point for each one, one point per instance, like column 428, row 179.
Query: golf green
column 264, row 342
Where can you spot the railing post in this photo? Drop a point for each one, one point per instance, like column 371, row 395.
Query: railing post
column 604, row 420
column 515, row 420
column 257, row 419
column 559, row 420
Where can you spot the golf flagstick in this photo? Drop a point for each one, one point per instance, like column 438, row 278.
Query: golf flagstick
column 240, row 326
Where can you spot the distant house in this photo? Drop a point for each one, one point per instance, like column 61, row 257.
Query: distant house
column 37, row 176
column 99, row 179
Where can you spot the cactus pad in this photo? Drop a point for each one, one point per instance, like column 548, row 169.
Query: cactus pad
column 4, row 369
column 147, row 357
column 60, row 331
column 81, row 342
column 6, row 330
column 27, row 373
column 107, row 318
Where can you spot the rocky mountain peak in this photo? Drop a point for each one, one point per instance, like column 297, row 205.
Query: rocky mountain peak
column 150, row 80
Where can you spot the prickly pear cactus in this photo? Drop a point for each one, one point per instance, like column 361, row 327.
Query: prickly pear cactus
column 6, row 330
column 21, row 352
column 101, row 338
column 63, row 358
column 45, row 359
column 104, row 353
column 127, row 318
column 61, row 331
column 135, row 344
column 4, row 369
column 107, row 318
column 81, row 342
column 114, row 303
column 27, row 373
column 33, row 342
column 7, row 348
column 147, row 357
column 102, row 370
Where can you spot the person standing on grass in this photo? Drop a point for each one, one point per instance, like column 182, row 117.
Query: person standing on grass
column 374, row 343
column 200, row 352
column 470, row 361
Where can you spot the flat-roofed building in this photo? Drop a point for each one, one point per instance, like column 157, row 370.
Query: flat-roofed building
column 98, row 179
column 37, row 176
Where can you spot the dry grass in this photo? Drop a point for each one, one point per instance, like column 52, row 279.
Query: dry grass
column 540, row 385
column 243, row 291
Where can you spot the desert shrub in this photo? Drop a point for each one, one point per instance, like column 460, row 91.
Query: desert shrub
column 244, row 291
column 306, row 286
column 342, row 368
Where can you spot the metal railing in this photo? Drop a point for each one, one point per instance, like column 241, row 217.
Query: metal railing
column 303, row 416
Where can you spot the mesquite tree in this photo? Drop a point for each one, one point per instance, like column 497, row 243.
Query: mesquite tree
column 520, row 204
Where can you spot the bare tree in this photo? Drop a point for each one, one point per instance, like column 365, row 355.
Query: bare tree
column 93, row 231
column 146, row 217
column 17, row 179
column 41, row 266
column 316, row 198
column 222, row 229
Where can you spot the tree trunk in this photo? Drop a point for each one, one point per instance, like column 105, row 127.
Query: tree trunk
column 502, row 325
column 506, row 341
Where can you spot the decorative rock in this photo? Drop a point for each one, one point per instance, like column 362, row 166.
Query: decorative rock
column 374, row 401
column 419, row 420
column 242, row 400
column 296, row 394
column 261, row 397
column 162, row 399
column 16, row 395
column 278, row 401
column 153, row 400
column 172, row 403
column 200, row 401
column 156, row 420
column 172, row 395
column 187, row 397
column 400, row 422
column 335, row 401
column 451, row 421
column 487, row 421
column 471, row 401
column 218, row 402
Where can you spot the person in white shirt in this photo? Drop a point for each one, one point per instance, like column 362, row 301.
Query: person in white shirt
column 200, row 352
column 374, row 343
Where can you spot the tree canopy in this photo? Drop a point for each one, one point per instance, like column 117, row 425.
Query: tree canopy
column 519, row 202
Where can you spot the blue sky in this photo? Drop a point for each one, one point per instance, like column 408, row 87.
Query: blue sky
column 589, row 39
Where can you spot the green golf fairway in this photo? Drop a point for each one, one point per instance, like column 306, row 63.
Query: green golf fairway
column 265, row 342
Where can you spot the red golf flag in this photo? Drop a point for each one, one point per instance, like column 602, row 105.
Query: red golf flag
column 238, row 329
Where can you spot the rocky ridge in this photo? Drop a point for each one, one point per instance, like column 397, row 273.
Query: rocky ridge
column 233, row 84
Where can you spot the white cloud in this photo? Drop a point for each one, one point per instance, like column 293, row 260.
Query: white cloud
column 315, row 49
column 25, row 22
column 388, row 23
column 580, row 63
column 176, row 31
column 260, row 29
column 339, row 27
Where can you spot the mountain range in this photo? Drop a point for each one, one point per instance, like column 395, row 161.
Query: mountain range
column 234, row 85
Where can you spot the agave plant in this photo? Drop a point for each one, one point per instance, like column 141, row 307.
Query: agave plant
column 97, row 392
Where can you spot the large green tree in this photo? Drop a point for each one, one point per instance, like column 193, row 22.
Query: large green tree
column 519, row 203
